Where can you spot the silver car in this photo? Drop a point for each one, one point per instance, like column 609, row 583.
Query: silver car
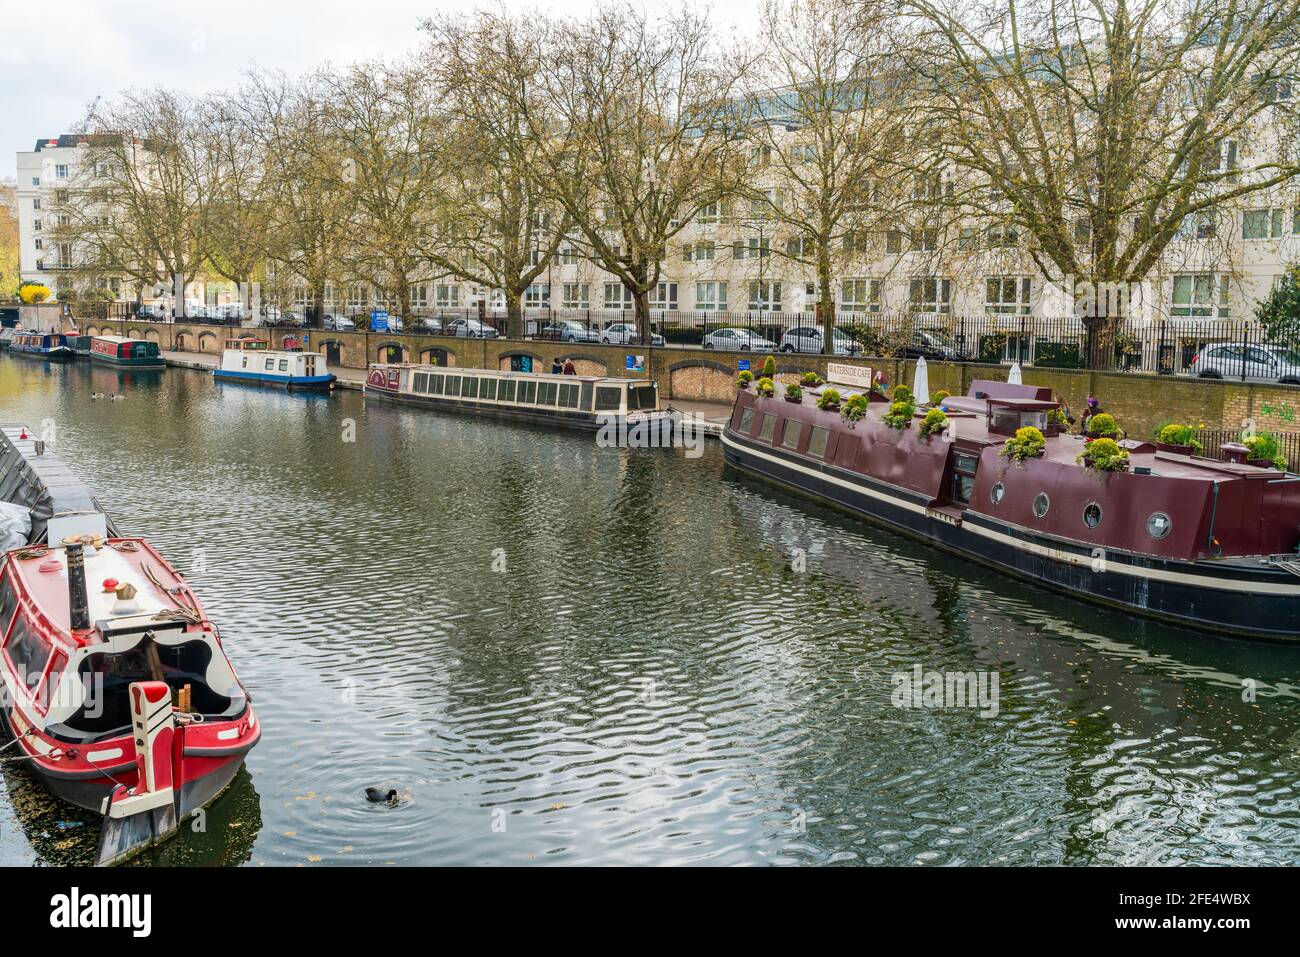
column 1240, row 360
column 624, row 333
column 738, row 340
column 811, row 339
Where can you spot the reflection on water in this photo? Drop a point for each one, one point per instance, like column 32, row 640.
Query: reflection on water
column 650, row 679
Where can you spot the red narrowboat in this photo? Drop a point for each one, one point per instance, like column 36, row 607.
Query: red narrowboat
column 1193, row 541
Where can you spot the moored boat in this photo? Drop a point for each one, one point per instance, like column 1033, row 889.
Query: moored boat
column 573, row 401
column 118, row 690
column 80, row 345
column 251, row 361
column 1198, row 542
column 42, row 345
column 126, row 353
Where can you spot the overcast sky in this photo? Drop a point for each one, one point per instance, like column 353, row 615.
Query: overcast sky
column 56, row 56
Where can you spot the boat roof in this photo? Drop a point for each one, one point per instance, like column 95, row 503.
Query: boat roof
column 118, row 340
column 43, row 575
column 512, row 374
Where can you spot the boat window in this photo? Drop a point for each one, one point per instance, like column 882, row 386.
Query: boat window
column 27, row 652
column 284, row 365
column 528, row 392
column 469, row 386
column 569, row 396
column 507, row 390
column 453, row 385
column 270, row 364
column 435, row 384
column 1041, row 504
column 790, row 435
column 488, row 389
column 608, row 398
column 767, row 429
column 8, row 602
column 746, row 421
column 245, row 360
column 1092, row 515
column 546, row 394
column 642, row 397
column 817, row 442
column 964, row 466
column 1159, row 525
column 996, row 493
column 421, row 382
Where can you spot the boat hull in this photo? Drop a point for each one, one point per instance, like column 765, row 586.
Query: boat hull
column 59, row 354
column 585, row 421
column 146, row 365
column 321, row 383
column 1232, row 598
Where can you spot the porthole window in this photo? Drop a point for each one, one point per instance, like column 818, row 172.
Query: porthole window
column 1092, row 515
column 996, row 493
column 1041, row 504
column 1159, row 525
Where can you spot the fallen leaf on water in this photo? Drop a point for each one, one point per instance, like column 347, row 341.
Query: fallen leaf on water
column 558, row 807
column 313, row 858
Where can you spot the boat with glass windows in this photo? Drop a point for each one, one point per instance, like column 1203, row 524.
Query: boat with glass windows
column 994, row 476
column 252, row 361
column 126, row 353
column 52, row 346
column 574, row 401
column 80, row 345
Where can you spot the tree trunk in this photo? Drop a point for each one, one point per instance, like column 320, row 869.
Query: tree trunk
column 641, row 303
column 514, row 315
column 825, row 299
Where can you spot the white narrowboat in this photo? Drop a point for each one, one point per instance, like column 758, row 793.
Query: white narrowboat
column 254, row 362
column 575, row 401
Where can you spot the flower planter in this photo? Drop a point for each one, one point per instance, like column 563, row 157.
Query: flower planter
column 1176, row 449
column 877, row 397
column 1260, row 463
column 796, row 401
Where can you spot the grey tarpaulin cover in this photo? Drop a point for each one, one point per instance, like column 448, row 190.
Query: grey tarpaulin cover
column 15, row 526
column 41, row 483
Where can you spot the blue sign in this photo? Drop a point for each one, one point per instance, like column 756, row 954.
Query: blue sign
column 636, row 363
column 742, row 364
column 378, row 320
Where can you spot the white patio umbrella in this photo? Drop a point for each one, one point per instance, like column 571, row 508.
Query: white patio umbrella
column 921, row 384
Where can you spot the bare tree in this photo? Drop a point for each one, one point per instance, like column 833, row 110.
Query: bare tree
column 1101, row 128
column 498, row 223
column 647, row 136
column 9, row 252
column 829, row 126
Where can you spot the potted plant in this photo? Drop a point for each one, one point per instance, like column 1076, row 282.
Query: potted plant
column 855, row 407
column 903, row 394
column 812, row 380
column 934, row 422
column 937, row 398
column 1263, row 451
column 765, row 387
column 829, row 400
column 769, row 367
column 744, row 378
column 1103, row 426
column 1103, row 455
column 793, row 393
column 1027, row 443
column 1179, row 438
column 899, row 415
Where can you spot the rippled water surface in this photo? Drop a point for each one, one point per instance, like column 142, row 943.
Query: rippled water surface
column 650, row 679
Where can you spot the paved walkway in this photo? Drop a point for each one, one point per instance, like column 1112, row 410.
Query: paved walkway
column 714, row 415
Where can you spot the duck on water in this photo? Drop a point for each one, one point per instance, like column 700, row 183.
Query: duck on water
column 1199, row 542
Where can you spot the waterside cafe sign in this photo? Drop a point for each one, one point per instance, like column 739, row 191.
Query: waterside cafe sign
column 841, row 373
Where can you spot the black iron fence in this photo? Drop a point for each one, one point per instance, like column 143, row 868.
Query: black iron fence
column 1197, row 346
column 1213, row 441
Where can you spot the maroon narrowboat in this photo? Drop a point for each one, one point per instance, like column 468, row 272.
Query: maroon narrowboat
column 1181, row 538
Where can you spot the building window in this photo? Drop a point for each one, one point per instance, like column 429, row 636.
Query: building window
column 60, row 171
column 537, row 296
column 711, row 296
column 37, row 225
column 617, row 296
column 40, row 243
column 419, row 296
column 860, row 295
column 894, row 242
column 1261, row 223
column 968, row 239
column 1004, row 236
column 699, row 252
column 356, row 295
column 577, row 295
column 710, row 213
column 664, row 296
column 60, row 195
column 1008, row 295
column 446, row 297
column 930, row 294
column 765, row 296
column 755, row 248
column 1200, row 294
column 36, row 181
column 36, row 203
column 568, row 256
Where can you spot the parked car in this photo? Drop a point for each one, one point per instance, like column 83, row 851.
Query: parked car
column 1240, row 360
column 156, row 313
column 931, row 344
column 395, row 324
column 738, row 340
column 429, row 324
column 338, row 323
column 295, row 319
column 624, row 333
column 469, row 328
column 812, row 339
column 569, row 330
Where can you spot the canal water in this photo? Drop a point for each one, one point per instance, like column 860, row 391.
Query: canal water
column 564, row 654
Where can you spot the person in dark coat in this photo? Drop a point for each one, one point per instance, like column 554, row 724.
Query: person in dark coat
column 570, row 368
column 556, row 366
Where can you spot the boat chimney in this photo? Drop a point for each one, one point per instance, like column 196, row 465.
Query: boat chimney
column 78, row 603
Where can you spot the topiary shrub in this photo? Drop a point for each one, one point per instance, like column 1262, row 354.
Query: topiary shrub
column 899, row 415
column 855, row 407
column 1028, row 443
column 1103, row 424
column 744, row 378
column 1104, row 455
column 829, row 400
column 765, row 387
column 1263, row 447
column 934, row 423
column 793, row 393
column 812, row 379
column 939, row 396
column 1176, row 433
column 902, row 393
column 769, row 367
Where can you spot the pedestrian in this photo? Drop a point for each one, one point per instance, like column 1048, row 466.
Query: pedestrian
column 557, row 366
column 570, row 368
column 1094, row 409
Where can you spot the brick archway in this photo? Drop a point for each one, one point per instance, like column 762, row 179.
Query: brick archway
column 702, row 379
column 392, row 352
column 182, row 341
column 207, row 342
